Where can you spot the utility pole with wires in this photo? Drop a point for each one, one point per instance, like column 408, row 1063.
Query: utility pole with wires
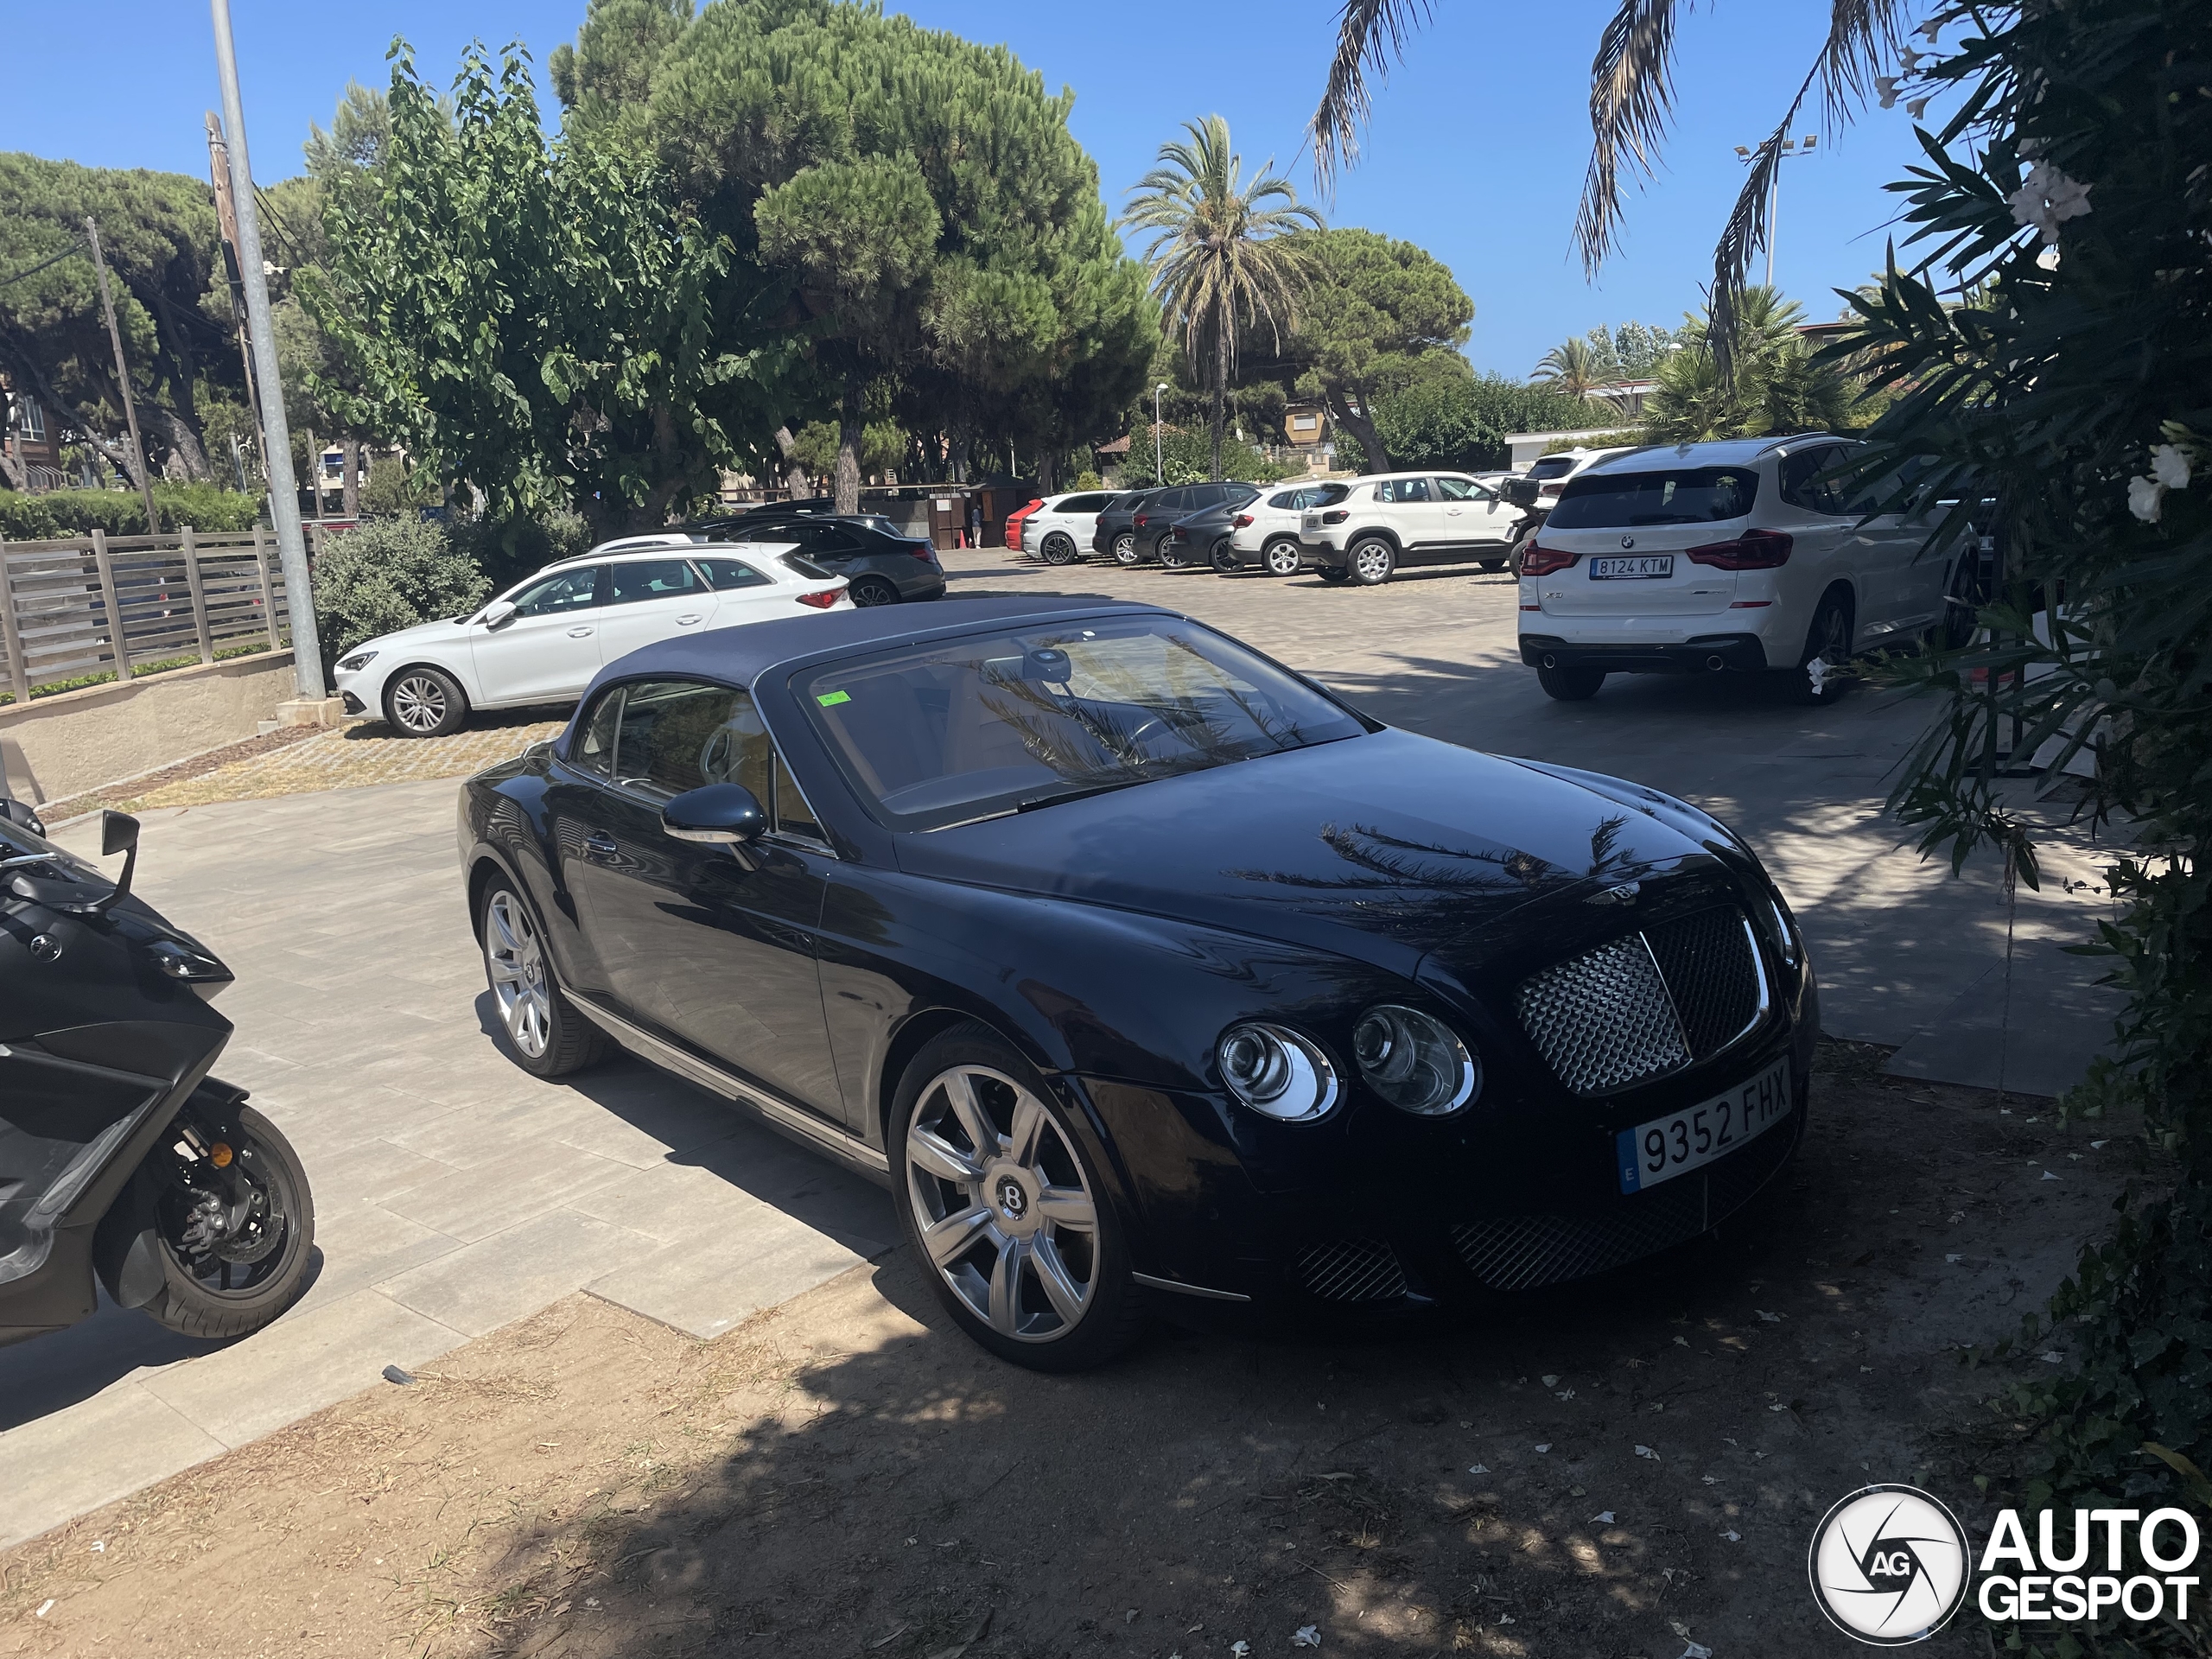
column 1784, row 151
column 122, row 381
column 276, row 433
column 218, row 168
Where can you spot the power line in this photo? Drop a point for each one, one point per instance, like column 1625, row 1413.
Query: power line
column 33, row 270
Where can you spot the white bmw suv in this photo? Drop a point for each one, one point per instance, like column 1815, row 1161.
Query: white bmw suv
column 544, row 639
column 1749, row 554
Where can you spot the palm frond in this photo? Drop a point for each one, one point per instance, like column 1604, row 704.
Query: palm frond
column 1745, row 238
column 1631, row 98
column 1370, row 35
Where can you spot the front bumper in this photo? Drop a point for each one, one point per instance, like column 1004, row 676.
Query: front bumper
column 1696, row 655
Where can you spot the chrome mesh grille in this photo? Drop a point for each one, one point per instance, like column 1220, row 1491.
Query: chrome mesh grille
column 1706, row 961
column 1351, row 1270
column 1648, row 1004
column 1521, row 1252
column 1603, row 1020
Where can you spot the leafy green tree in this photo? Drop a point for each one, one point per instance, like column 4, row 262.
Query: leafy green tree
column 1575, row 368
column 1777, row 385
column 390, row 574
column 157, row 231
column 1224, row 258
column 1378, row 315
column 544, row 325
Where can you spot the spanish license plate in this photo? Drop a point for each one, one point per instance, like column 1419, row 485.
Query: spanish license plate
column 1644, row 566
column 1674, row 1145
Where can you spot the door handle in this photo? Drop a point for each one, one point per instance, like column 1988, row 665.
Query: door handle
column 599, row 844
column 583, row 632
column 686, row 621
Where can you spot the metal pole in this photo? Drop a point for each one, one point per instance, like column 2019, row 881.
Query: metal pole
column 219, row 167
column 1159, row 469
column 1773, row 217
column 276, row 433
column 122, row 381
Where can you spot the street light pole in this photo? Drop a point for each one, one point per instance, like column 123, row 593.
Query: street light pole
column 1783, row 152
column 275, row 432
column 1159, row 467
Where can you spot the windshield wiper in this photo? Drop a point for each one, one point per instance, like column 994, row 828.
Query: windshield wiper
column 1030, row 804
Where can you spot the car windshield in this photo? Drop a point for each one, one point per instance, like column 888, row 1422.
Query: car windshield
column 1678, row 495
column 995, row 723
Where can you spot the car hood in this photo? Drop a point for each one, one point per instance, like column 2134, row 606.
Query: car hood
column 1388, row 848
column 452, row 630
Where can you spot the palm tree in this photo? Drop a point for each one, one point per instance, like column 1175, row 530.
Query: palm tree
column 1571, row 366
column 1219, row 259
column 1776, row 386
column 1631, row 97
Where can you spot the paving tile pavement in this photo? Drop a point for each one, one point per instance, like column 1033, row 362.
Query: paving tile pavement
column 455, row 1191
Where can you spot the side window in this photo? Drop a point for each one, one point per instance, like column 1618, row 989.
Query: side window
column 644, row 579
column 833, row 541
column 1403, row 490
column 1802, row 486
column 670, row 730
column 564, row 591
column 1458, row 489
column 594, row 747
column 722, row 575
column 792, row 813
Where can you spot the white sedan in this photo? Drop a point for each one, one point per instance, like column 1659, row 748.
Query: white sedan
column 542, row 640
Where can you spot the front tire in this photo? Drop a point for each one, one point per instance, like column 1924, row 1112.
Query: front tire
column 228, row 1284
column 1171, row 557
column 1007, row 1218
column 1125, row 549
column 1571, row 684
column 1281, row 558
column 1372, row 562
column 425, row 702
column 544, row 1033
column 1223, row 559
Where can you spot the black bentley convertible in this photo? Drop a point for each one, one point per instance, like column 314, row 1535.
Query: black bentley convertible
column 1141, row 968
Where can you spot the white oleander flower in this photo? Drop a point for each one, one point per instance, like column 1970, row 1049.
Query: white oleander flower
column 1931, row 28
column 1917, row 107
column 2046, row 199
column 2143, row 496
column 1910, row 59
column 1887, row 87
column 2169, row 466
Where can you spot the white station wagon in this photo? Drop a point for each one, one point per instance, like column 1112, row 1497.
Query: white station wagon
column 1746, row 554
column 544, row 639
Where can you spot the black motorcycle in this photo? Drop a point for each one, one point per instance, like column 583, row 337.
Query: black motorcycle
column 120, row 1155
column 1521, row 492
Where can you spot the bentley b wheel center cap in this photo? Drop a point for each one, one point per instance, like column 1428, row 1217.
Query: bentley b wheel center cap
column 1014, row 1203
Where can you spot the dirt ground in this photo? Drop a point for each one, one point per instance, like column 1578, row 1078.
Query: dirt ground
column 1624, row 1470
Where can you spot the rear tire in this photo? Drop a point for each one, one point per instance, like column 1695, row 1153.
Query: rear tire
column 1828, row 639
column 965, row 1106
column 1059, row 549
column 1571, row 684
column 192, row 1308
column 1125, row 549
column 1372, row 561
column 1492, row 564
column 1282, row 558
column 425, row 702
column 874, row 590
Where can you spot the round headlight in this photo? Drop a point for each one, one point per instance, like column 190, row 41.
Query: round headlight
column 1414, row 1062
column 1278, row 1072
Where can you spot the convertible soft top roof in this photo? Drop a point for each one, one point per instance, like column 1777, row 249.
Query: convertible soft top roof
column 740, row 655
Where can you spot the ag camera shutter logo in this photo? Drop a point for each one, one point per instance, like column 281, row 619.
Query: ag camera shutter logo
column 1889, row 1565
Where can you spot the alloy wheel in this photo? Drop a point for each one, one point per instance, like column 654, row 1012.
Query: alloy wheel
column 418, row 703
column 517, row 963
column 1001, row 1203
column 875, row 593
column 1282, row 559
column 1372, row 561
column 1125, row 549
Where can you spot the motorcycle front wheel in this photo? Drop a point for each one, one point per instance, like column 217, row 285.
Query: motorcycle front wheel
column 236, row 1225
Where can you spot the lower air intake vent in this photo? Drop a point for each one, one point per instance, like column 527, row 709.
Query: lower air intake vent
column 1352, row 1270
column 1521, row 1252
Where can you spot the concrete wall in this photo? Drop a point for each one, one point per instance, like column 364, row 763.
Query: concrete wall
column 54, row 748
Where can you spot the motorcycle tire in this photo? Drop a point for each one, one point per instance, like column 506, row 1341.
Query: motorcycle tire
column 192, row 1307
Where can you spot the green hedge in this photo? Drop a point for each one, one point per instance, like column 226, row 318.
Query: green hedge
column 119, row 512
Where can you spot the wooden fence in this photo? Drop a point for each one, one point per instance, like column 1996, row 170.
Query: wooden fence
column 100, row 604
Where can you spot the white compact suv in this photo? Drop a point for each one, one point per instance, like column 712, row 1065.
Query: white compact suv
column 1749, row 554
column 1386, row 521
column 1265, row 532
column 1060, row 529
column 542, row 640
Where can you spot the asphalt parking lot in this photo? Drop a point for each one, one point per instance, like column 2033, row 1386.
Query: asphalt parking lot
column 455, row 1194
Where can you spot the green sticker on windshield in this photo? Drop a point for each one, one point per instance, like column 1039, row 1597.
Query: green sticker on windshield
column 830, row 700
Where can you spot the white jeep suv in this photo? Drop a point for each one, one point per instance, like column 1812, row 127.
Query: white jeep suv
column 1748, row 554
column 1385, row 522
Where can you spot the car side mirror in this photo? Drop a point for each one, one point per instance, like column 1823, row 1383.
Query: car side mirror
column 719, row 814
column 498, row 614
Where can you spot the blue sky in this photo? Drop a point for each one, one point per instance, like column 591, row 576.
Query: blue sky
column 1476, row 151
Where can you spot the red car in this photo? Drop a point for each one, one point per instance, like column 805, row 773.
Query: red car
column 1014, row 523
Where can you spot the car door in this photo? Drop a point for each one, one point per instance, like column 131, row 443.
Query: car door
column 548, row 649
column 1829, row 541
column 1409, row 508
column 701, row 946
column 1475, row 518
column 649, row 600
